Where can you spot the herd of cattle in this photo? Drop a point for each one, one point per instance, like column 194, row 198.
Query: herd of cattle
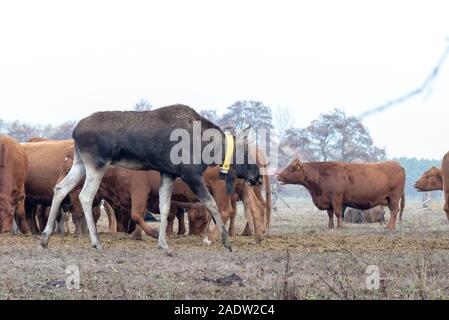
column 120, row 161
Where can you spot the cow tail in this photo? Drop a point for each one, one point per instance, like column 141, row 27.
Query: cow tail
column 268, row 198
column 402, row 206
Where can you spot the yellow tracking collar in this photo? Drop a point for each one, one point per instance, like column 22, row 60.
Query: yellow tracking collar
column 229, row 152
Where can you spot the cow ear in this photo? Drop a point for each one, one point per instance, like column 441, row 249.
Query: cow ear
column 230, row 178
column 298, row 165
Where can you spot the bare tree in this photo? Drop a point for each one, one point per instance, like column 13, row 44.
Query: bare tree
column 142, row 105
column 283, row 120
column 248, row 112
column 334, row 136
column 211, row 115
column 63, row 131
column 23, row 131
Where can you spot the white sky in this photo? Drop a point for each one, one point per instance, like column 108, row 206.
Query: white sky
column 62, row 60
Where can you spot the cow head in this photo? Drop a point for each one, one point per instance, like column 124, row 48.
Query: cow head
column 244, row 165
column 198, row 220
column 292, row 174
column 430, row 180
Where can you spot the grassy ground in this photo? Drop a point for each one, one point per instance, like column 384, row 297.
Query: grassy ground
column 301, row 259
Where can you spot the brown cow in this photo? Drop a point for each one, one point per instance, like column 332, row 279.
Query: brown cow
column 46, row 160
column 373, row 215
column 198, row 216
column 361, row 186
column 430, row 180
column 13, row 172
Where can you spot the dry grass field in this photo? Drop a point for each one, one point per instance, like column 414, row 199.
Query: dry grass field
column 301, row 259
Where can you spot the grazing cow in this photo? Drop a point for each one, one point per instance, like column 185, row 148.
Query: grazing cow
column 147, row 141
column 361, row 186
column 373, row 215
column 13, row 172
column 198, row 216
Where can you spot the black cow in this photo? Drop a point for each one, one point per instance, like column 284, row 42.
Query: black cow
column 143, row 141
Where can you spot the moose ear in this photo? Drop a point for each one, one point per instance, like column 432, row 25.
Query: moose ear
column 230, row 178
column 242, row 136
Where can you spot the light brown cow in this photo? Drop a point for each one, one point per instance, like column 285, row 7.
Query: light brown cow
column 46, row 160
column 13, row 172
column 333, row 185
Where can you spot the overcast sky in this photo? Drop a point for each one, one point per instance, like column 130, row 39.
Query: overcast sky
column 61, row 61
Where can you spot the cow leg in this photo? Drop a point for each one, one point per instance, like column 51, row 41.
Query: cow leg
column 30, row 211
column 393, row 205
column 138, row 206
column 59, row 226
column 171, row 219
column 232, row 218
column 330, row 213
column 181, row 222
column 41, row 217
column 87, row 195
column 96, row 211
column 247, row 232
column 199, row 189
column 111, row 217
column 165, row 192
column 137, row 233
column 61, row 190
column 446, row 206
column 22, row 218
column 249, row 228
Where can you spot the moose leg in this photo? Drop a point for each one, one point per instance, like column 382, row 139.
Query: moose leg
column 75, row 175
column 330, row 213
column 199, row 189
column 87, row 195
column 165, row 192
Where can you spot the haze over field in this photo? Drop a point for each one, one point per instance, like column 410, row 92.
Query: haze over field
column 62, row 61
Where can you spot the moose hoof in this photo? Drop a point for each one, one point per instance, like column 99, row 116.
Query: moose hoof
column 44, row 241
column 226, row 243
column 98, row 247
